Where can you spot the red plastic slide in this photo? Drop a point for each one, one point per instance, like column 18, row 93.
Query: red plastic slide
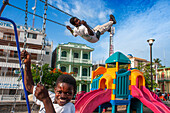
column 157, row 98
column 145, row 96
column 90, row 101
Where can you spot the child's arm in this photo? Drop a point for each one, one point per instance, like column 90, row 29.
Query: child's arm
column 69, row 28
column 28, row 80
column 41, row 93
column 88, row 28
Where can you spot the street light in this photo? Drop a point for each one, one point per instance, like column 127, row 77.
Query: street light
column 150, row 41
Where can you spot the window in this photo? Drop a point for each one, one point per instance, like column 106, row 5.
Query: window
column 85, row 56
column 8, row 36
column 84, row 87
column 1, row 52
column 76, row 55
column 75, row 70
column 12, row 92
column 34, row 56
column 63, row 69
column 31, row 35
column 84, row 72
column 47, row 53
column 15, row 54
column 64, row 54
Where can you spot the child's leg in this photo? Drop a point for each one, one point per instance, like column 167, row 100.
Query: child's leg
column 103, row 28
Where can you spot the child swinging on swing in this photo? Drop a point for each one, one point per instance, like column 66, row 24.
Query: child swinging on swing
column 83, row 30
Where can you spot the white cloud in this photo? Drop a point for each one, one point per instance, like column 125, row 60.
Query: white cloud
column 54, row 14
column 132, row 34
column 85, row 10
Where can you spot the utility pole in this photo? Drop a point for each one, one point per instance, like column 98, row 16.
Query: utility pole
column 34, row 8
column 111, row 47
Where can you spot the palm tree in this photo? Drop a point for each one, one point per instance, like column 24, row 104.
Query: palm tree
column 157, row 62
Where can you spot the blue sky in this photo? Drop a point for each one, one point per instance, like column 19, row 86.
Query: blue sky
column 137, row 21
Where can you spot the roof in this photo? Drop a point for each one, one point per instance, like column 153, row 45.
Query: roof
column 118, row 57
column 139, row 59
column 75, row 45
column 164, row 68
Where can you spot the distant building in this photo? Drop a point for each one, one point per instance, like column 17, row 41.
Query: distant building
column 9, row 63
column 135, row 61
column 98, row 64
column 77, row 58
column 164, row 79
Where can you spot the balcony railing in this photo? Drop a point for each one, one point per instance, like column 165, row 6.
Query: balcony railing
column 11, row 65
column 165, row 78
column 14, row 48
column 64, row 59
column 9, row 73
column 10, row 97
column 83, row 78
column 75, row 60
column 8, row 37
column 10, row 83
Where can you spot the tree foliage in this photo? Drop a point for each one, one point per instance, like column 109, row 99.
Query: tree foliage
column 157, row 62
column 146, row 69
column 49, row 77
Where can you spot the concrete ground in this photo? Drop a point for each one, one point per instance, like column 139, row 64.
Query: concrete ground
column 121, row 109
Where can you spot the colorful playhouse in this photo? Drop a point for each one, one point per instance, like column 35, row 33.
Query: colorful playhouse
column 111, row 86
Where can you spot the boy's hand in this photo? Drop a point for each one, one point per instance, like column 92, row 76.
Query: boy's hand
column 41, row 92
column 69, row 28
column 83, row 22
column 26, row 56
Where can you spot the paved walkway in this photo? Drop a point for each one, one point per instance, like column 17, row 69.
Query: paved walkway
column 122, row 109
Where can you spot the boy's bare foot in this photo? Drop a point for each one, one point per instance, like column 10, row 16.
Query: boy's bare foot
column 112, row 18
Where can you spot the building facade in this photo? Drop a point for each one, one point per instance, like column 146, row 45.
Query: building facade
column 135, row 61
column 77, row 58
column 164, row 79
column 9, row 62
column 100, row 63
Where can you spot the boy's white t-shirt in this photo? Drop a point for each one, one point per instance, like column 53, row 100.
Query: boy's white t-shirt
column 83, row 32
column 67, row 108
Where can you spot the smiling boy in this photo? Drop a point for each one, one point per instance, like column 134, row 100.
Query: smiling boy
column 58, row 102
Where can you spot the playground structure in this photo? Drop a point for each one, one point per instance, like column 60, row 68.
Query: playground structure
column 115, row 86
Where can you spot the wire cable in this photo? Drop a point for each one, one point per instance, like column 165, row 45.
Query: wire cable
column 62, row 11
column 36, row 15
column 58, row 9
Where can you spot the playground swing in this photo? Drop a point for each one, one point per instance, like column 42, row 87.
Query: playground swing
column 43, row 44
column 24, row 48
column 7, row 3
column 21, row 67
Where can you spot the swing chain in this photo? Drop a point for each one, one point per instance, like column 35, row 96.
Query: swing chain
column 43, row 41
column 13, row 108
column 25, row 26
column 25, row 37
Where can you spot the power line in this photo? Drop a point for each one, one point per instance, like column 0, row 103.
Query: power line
column 62, row 11
column 58, row 9
column 36, row 15
column 42, row 17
